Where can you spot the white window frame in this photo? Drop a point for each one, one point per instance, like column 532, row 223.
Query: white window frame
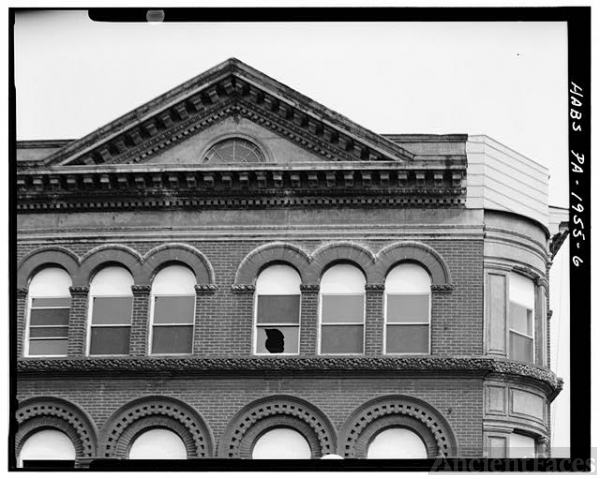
column 91, row 313
column 533, row 319
column 364, row 315
column 167, row 325
column 255, row 324
column 153, row 296
column 30, row 299
column 386, row 323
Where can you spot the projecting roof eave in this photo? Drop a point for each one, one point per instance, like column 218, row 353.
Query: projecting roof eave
column 224, row 90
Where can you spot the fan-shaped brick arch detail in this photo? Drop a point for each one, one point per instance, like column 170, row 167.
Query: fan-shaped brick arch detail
column 277, row 411
column 343, row 251
column 384, row 412
column 146, row 413
column 106, row 255
column 46, row 256
column 36, row 414
column 172, row 253
column 417, row 252
column 281, row 252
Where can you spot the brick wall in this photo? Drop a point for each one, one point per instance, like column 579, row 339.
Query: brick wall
column 458, row 399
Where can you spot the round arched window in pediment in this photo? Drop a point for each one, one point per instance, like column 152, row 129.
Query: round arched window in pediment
column 234, row 150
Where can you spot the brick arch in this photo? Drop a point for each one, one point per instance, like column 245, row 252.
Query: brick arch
column 173, row 253
column 46, row 256
column 277, row 252
column 125, row 425
column 381, row 413
column 106, row 255
column 267, row 413
column 343, row 251
column 416, row 252
column 41, row 413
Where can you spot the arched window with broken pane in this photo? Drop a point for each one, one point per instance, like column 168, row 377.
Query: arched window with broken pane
column 277, row 311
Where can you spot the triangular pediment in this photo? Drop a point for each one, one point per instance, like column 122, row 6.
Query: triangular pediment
column 229, row 92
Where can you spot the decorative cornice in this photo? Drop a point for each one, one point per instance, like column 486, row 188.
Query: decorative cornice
column 259, row 365
column 243, row 288
column 367, row 185
column 141, row 289
column 205, row 288
column 310, row 288
column 442, row 288
column 375, row 287
column 79, row 290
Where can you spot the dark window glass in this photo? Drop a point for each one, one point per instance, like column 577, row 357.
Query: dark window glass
column 277, row 339
column 48, row 347
column 49, row 332
column 343, row 308
column 49, row 317
column 172, row 339
column 174, row 309
column 520, row 319
column 112, row 310
column 341, row 339
column 408, row 308
column 278, row 309
column 51, row 302
column 521, row 347
column 409, row 338
column 110, row 340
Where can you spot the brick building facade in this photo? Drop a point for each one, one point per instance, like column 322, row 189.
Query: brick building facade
column 233, row 259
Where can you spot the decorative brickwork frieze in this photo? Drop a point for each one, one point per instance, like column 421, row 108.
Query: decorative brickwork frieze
column 43, row 413
column 254, row 419
column 381, row 413
column 131, row 420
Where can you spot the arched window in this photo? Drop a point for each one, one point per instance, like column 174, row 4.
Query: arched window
column 49, row 445
column 49, row 306
column 521, row 446
column 111, row 302
column 158, row 443
column 173, row 311
column 397, row 443
column 407, row 309
column 521, row 317
column 234, row 150
column 342, row 306
column 277, row 311
column 281, row 443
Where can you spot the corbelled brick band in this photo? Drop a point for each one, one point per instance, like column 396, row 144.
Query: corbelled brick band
column 356, row 432
column 146, row 413
column 241, row 433
column 41, row 413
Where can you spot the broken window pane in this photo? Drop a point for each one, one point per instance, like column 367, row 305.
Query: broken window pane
column 342, row 339
column 407, row 339
column 277, row 340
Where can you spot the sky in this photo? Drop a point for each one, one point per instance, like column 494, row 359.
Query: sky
column 505, row 80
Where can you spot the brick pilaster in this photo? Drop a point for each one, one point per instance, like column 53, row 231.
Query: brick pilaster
column 309, row 319
column 78, row 319
column 374, row 322
column 138, row 340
